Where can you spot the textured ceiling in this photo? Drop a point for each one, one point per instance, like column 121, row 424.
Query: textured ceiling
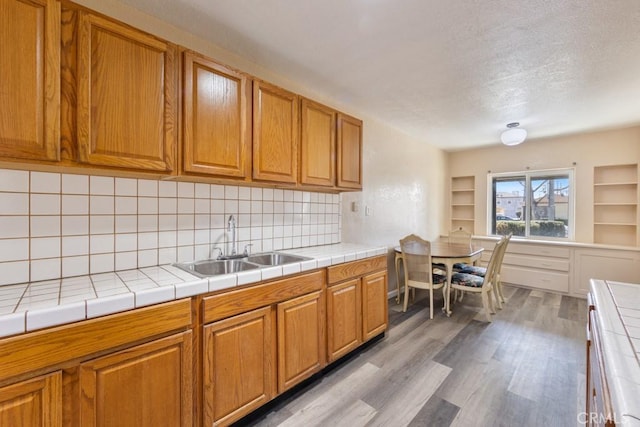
column 452, row 73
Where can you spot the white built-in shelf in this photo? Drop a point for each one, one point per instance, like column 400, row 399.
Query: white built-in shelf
column 463, row 202
column 615, row 204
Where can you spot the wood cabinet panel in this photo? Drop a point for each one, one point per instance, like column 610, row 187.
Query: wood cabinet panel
column 39, row 349
column 317, row 144
column 147, row 385
column 126, row 106
column 241, row 300
column 216, row 119
column 374, row 305
column 239, row 365
column 275, row 133
column 349, row 152
column 30, row 82
column 32, row 403
column 344, row 318
column 301, row 339
column 353, row 269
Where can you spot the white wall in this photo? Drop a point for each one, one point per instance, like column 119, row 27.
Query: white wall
column 404, row 186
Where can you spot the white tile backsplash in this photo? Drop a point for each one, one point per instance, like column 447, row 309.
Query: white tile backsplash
column 62, row 225
column 14, row 203
column 14, row 181
column 14, row 227
column 45, row 182
column 102, row 185
column 75, row 184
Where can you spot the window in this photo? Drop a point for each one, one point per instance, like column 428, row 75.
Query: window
column 536, row 204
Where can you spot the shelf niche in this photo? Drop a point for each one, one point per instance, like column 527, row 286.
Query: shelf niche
column 463, row 203
column 615, row 205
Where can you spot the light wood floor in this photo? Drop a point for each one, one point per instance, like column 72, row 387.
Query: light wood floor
column 526, row 368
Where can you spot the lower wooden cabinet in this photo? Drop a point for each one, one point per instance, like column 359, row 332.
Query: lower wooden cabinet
column 374, row 305
column 239, row 368
column 344, row 319
column 301, row 339
column 147, row 385
column 356, row 304
column 258, row 342
column 139, row 368
column 127, row 369
column 33, row 402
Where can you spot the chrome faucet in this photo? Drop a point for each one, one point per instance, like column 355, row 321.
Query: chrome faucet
column 231, row 228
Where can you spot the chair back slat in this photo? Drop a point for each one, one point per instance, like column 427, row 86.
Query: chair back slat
column 416, row 254
column 460, row 236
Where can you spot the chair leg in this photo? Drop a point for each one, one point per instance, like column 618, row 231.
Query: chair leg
column 499, row 289
column 485, row 305
column 398, row 260
column 406, row 298
column 496, row 296
column 430, row 303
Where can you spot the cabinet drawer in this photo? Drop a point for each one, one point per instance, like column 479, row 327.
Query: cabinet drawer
column 354, row 269
column 547, row 280
column 539, row 250
column 558, row 264
column 242, row 300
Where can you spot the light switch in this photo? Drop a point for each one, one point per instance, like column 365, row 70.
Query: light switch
column 355, row 207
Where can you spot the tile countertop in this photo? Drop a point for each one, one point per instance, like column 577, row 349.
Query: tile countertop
column 30, row 306
column 618, row 312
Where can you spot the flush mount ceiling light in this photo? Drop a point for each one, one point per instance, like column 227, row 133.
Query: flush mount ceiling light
column 513, row 135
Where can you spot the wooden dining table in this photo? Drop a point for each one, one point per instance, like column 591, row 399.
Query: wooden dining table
column 446, row 254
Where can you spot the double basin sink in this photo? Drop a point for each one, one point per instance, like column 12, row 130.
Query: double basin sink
column 214, row 267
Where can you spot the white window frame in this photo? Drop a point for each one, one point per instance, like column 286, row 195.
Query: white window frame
column 529, row 174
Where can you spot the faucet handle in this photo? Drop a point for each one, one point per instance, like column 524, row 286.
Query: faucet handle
column 213, row 250
column 247, row 252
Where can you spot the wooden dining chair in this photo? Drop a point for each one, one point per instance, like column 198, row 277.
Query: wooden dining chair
column 483, row 285
column 481, row 271
column 418, row 270
column 459, row 236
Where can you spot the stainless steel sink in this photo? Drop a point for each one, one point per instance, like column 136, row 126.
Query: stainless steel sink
column 275, row 258
column 214, row 267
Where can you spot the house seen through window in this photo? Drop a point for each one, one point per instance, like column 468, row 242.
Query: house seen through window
column 536, row 204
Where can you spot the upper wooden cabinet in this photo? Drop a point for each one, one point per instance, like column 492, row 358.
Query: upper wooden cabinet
column 126, row 96
column 29, row 79
column 275, row 134
column 216, row 119
column 349, row 152
column 317, row 144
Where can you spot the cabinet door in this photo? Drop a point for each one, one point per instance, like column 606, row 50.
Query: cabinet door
column 344, row 330
column 30, row 79
column 349, row 152
column 147, row 385
column 239, row 365
column 301, row 340
column 216, row 119
column 126, row 96
column 318, row 144
column 31, row 403
column 275, row 134
column 374, row 305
